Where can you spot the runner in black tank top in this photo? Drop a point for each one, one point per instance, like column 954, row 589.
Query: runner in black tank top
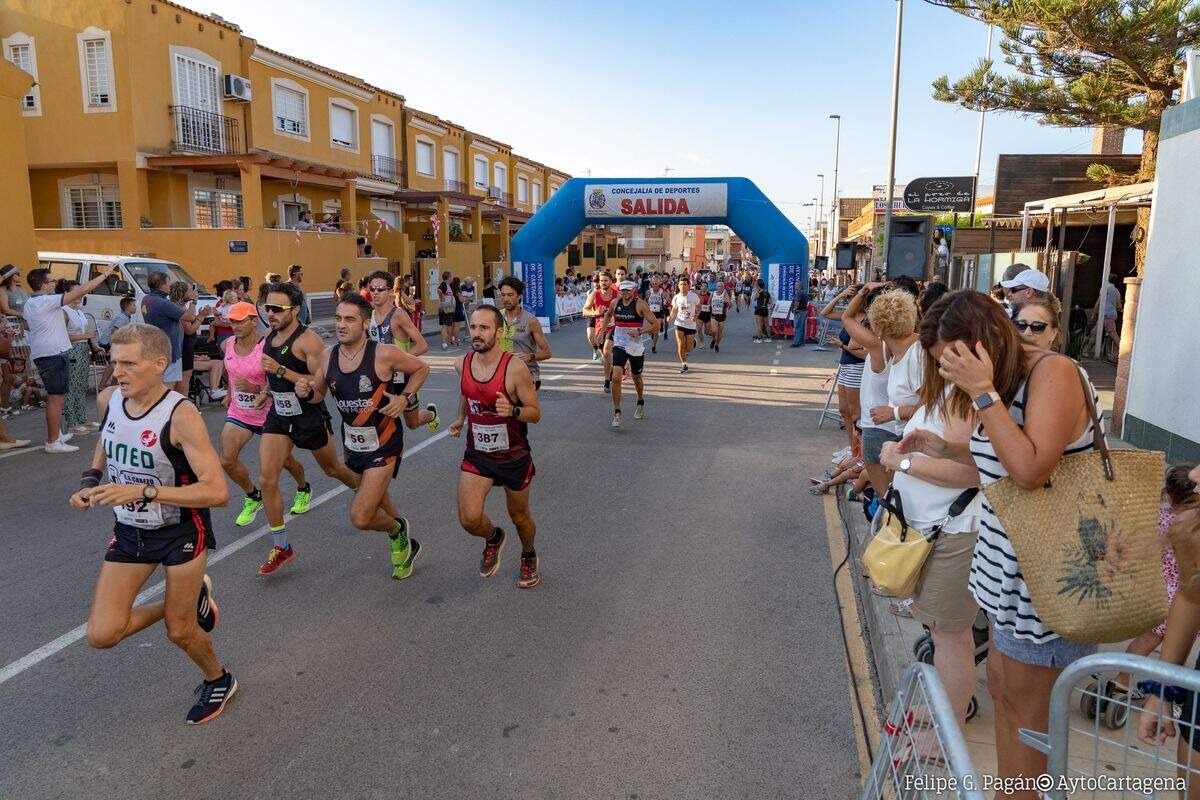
column 386, row 321
column 630, row 316
column 292, row 354
column 370, row 438
column 358, row 373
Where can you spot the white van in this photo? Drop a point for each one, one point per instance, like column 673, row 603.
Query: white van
column 129, row 279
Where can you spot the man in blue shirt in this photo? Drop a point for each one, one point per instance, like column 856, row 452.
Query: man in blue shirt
column 159, row 311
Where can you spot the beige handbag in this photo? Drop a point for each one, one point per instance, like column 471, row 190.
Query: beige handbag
column 895, row 556
column 1087, row 542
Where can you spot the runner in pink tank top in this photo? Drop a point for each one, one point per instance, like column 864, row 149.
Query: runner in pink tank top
column 246, row 407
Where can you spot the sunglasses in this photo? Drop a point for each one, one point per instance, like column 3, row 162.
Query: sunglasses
column 1036, row 327
column 378, row 289
column 277, row 309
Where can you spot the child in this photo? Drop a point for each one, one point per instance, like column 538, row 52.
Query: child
column 27, row 390
column 1178, row 490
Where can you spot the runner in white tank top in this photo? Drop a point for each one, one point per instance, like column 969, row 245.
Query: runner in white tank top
column 164, row 476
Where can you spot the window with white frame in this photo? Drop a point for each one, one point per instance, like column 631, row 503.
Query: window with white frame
column 96, row 70
column 343, row 125
column 19, row 49
column 537, row 194
column 290, row 109
column 500, row 177
column 93, row 206
column 480, row 177
column 425, row 158
column 522, row 189
column 213, row 208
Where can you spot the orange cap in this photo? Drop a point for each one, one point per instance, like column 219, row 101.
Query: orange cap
column 240, row 311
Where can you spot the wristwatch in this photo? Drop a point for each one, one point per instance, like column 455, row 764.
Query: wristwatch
column 896, row 413
column 516, row 412
column 985, row 400
column 280, row 371
column 149, row 492
column 905, row 464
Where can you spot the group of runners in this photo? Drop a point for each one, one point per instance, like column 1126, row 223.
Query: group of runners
column 156, row 467
column 622, row 313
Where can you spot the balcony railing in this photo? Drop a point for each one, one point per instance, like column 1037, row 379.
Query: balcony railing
column 387, row 168
column 451, row 185
column 500, row 196
column 200, row 131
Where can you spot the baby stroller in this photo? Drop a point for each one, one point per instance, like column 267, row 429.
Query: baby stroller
column 923, row 651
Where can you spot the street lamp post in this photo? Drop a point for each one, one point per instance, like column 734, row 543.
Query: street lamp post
column 836, row 211
column 821, row 215
column 891, row 181
column 979, row 142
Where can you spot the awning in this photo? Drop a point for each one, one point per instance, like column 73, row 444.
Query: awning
column 272, row 165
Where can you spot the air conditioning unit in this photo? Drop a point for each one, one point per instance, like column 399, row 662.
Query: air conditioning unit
column 494, row 192
column 235, row 87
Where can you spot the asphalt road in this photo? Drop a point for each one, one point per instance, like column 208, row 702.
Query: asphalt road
column 683, row 642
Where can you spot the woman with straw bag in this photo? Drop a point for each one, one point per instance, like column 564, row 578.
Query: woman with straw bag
column 1032, row 411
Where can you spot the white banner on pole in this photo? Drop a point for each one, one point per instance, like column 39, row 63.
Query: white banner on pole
column 675, row 201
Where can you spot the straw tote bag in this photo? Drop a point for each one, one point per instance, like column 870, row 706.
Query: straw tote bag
column 1087, row 542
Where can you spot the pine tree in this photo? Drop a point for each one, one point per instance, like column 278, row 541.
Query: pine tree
column 1083, row 63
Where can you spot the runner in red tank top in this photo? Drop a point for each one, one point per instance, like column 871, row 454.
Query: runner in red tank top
column 597, row 306
column 498, row 404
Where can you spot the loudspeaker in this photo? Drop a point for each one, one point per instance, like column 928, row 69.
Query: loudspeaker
column 845, row 255
column 908, row 246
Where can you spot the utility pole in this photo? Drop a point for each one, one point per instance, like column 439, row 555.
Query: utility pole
column 891, row 180
column 837, row 146
column 979, row 143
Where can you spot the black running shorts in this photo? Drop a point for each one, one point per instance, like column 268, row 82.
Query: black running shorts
column 515, row 475
column 170, row 547
column 620, row 358
column 718, row 317
column 706, row 316
column 308, row 431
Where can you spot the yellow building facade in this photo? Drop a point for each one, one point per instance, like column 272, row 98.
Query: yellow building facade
column 152, row 129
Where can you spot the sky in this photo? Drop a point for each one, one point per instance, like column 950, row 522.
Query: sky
column 629, row 89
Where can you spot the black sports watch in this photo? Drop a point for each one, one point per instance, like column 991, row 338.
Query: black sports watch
column 149, row 492
column 280, row 371
column 516, row 412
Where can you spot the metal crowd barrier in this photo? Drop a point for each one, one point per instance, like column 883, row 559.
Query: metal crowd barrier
column 922, row 752
column 1093, row 748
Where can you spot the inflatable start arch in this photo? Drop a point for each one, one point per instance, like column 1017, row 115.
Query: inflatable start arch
column 736, row 202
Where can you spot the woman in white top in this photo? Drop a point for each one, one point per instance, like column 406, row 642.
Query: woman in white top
column 888, row 337
column 1031, row 410
column 929, row 490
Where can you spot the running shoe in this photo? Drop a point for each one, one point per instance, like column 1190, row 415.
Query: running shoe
column 250, row 508
column 530, row 577
column 653, row 348
column 607, row 387
column 403, row 556
column 434, row 423
column 616, row 423
column 276, row 559
column 206, row 607
column 60, row 447
column 445, row 346
column 595, row 355
column 716, row 348
column 301, row 501
column 683, row 369
column 218, row 394
column 639, row 411
column 211, row 697
column 491, row 556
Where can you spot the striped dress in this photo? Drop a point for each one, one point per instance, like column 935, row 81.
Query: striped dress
column 996, row 580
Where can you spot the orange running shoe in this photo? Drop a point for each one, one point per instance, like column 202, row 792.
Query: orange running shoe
column 276, row 559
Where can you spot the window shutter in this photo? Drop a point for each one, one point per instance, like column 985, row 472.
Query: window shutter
column 425, row 158
column 341, row 126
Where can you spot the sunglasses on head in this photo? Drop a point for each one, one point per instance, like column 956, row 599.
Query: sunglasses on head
column 273, row 309
column 1036, row 327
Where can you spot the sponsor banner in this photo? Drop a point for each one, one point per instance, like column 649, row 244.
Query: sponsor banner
column 672, row 200
column 533, row 274
column 781, row 280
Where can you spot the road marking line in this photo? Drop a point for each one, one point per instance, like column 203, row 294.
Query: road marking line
column 21, row 451
column 774, row 372
column 67, row 639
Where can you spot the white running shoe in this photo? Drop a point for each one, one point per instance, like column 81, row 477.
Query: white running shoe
column 60, row 447
column 616, row 423
column 639, row 411
column 218, row 394
column 64, row 437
